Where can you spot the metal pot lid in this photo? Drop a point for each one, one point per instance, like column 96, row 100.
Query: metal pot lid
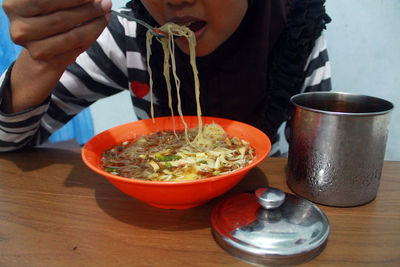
column 270, row 227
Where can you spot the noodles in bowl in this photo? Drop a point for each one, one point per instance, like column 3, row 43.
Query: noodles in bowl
column 174, row 194
column 167, row 156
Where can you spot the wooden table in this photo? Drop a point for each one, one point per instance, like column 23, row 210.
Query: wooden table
column 54, row 211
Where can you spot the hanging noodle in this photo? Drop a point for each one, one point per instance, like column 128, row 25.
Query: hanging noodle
column 148, row 49
column 168, row 82
column 168, row 45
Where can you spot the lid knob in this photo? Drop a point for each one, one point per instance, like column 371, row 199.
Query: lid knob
column 270, row 198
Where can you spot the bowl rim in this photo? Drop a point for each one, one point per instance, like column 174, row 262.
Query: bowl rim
column 108, row 175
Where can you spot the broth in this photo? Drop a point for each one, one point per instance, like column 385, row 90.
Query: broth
column 167, row 156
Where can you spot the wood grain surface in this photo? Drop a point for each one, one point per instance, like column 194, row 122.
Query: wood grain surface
column 54, row 211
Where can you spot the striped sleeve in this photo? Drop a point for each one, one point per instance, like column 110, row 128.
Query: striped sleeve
column 19, row 129
column 99, row 72
column 318, row 68
column 317, row 74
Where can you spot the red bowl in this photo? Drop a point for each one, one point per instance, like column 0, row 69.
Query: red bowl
column 174, row 195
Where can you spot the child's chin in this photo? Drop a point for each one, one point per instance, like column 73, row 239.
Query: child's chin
column 205, row 48
column 201, row 50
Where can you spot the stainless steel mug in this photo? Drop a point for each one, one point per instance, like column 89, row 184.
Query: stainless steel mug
column 337, row 147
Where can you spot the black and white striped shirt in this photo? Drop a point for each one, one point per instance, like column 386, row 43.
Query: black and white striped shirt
column 114, row 63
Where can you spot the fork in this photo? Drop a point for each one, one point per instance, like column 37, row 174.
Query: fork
column 153, row 30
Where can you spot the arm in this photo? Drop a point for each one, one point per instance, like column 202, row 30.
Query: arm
column 317, row 73
column 299, row 62
column 318, row 69
column 97, row 73
column 53, row 34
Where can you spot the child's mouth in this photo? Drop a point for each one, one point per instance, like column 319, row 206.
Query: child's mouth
column 195, row 25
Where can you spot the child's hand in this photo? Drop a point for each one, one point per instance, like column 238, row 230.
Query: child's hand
column 56, row 30
column 54, row 33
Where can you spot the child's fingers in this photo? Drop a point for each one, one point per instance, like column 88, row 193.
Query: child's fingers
column 29, row 8
column 78, row 37
column 28, row 29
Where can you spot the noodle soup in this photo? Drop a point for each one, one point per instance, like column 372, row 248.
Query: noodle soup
column 191, row 154
column 167, row 156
